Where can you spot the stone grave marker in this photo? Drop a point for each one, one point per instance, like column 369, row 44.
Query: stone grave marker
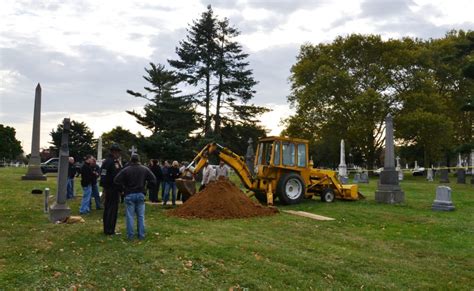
column 34, row 165
column 389, row 190
column 443, row 200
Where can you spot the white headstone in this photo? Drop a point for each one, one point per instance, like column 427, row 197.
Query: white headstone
column 342, row 164
column 416, row 166
column 429, row 175
column 472, row 162
column 459, row 165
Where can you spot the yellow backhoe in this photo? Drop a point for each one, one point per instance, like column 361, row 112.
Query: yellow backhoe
column 282, row 170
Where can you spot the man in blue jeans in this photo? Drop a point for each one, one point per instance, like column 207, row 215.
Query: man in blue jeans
column 133, row 179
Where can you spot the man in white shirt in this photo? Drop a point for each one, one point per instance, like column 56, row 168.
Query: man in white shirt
column 222, row 170
column 208, row 175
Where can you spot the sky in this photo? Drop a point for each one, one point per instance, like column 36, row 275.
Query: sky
column 87, row 53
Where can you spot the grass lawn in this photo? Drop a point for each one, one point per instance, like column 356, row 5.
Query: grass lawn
column 369, row 245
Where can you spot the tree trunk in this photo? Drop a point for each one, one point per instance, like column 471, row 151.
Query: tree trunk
column 207, row 122
column 217, row 126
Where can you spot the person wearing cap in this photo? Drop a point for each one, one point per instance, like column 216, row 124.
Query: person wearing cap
column 110, row 168
column 134, row 178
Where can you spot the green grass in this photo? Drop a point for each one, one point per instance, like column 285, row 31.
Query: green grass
column 369, row 245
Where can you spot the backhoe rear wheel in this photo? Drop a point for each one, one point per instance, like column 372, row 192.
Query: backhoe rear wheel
column 327, row 195
column 290, row 188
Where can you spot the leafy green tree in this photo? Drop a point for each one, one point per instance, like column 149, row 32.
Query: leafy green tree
column 170, row 117
column 344, row 90
column 10, row 147
column 121, row 136
column 81, row 140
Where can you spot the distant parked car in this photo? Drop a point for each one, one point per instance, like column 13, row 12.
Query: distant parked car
column 50, row 166
column 419, row 171
column 378, row 171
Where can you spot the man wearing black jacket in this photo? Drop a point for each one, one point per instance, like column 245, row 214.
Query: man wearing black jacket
column 133, row 178
column 110, row 168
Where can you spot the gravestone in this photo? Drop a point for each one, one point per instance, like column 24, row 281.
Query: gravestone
column 356, row 178
column 250, row 156
column 388, row 190
column 133, row 150
column 399, row 169
column 429, row 174
column 342, row 170
column 60, row 210
column 443, row 199
column 461, row 176
column 443, row 175
column 472, row 165
column 99, row 151
column 34, row 165
column 364, row 177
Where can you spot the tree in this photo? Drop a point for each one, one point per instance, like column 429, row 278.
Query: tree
column 210, row 57
column 344, row 90
column 10, row 147
column 197, row 56
column 123, row 137
column 170, row 117
column 81, row 141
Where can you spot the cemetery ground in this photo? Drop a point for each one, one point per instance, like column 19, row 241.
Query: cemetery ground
column 369, row 245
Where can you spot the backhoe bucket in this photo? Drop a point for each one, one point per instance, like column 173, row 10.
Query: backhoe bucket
column 187, row 187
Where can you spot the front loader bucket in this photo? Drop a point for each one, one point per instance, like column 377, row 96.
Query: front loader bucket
column 360, row 196
column 187, row 187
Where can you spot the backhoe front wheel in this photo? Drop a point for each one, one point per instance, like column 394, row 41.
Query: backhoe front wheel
column 327, row 195
column 290, row 188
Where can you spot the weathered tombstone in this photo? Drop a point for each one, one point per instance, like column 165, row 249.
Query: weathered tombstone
column 399, row 169
column 46, row 201
column 342, row 165
column 364, row 177
column 429, row 175
column 250, row 156
column 443, row 175
column 356, row 178
column 443, row 200
column 60, row 210
column 472, row 165
column 460, row 172
column 34, row 165
column 461, row 176
column 133, row 150
column 99, row 151
column 388, row 190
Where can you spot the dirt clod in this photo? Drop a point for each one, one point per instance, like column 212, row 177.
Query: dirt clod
column 221, row 199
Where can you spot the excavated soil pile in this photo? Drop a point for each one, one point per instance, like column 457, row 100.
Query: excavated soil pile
column 221, row 199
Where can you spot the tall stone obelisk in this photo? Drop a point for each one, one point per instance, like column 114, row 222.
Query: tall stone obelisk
column 34, row 165
column 388, row 190
column 342, row 171
column 59, row 210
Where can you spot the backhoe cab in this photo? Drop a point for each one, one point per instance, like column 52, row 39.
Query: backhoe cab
column 282, row 170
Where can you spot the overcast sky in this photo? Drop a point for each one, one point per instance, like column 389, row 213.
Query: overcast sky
column 87, row 53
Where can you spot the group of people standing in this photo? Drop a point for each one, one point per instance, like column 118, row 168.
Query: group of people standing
column 131, row 183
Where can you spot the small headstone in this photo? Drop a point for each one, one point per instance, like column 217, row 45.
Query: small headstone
column 364, row 177
column 443, row 173
column 356, row 178
column 343, row 179
column 443, row 200
column 461, row 176
column 429, row 175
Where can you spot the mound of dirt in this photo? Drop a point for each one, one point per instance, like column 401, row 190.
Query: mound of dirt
column 221, row 199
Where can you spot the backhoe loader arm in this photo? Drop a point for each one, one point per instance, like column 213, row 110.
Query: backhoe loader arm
column 235, row 161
